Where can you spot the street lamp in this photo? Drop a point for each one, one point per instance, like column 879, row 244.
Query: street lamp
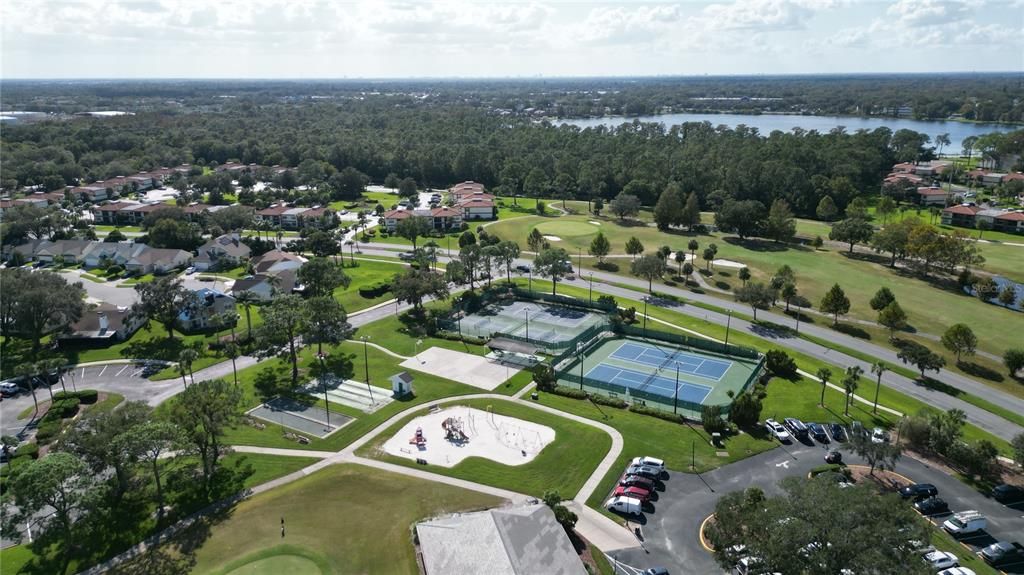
column 579, row 260
column 728, row 323
column 645, row 316
column 579, row 352
column 323, row 382
column 366, row 362
column 415, row 349
column 531, row 281
column 590, row 292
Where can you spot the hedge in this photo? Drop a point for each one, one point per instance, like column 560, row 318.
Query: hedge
column 28, row 450
column 828, row 467
column 666, row 415
column 46, row 431
column 375, row 290
column 86, row 396
column 596, row 397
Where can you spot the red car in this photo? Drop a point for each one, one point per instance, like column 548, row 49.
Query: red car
column 636, row 492
column 636, row 481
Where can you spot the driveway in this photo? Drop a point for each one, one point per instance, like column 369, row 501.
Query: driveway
column 122, row 378
column 107, row 291
column 671, row 531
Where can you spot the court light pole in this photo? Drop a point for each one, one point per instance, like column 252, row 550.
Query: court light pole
column 798, row 320
column 579, row 351
column 645, row 316
column 323, row 383
column 675, row 397
column 728, row 323
column 590, row 293
column 416, row 349
column 528, row 323
column 366, row 363
column 531, row 281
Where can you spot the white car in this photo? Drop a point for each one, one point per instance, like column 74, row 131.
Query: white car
column 776, row 429
column 649, row 461
column 879, row 435
column 190, row 270
column 939, row 560
column 956, row 571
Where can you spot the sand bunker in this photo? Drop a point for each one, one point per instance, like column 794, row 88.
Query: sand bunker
column 448, row 436
column 553, row 238
column 595, row 223
column 720, row 263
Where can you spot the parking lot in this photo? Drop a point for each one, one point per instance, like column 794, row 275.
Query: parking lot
column 125, row 379
column 671, row 527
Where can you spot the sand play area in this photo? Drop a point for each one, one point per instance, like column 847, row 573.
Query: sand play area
column 447, row 436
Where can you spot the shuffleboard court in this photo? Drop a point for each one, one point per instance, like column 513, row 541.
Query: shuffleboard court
column 654, row 356
column 658, row 384
column 300, row 416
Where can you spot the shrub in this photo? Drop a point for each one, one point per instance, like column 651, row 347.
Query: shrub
column 30, row 450
column 666, row 415
column 780, row 364
column 828, row 467
column 711, row 419
column 46, row 431
column 88, row 396
column 597, row 398
column 374, row 290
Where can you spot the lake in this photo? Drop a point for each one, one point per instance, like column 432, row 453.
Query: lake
column 767, row 123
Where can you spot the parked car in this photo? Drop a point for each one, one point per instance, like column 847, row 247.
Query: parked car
column 833, row 456
column 918, row 491
column 9, row 389
column 931, row 506
column 818, row 432
column 777, row 429
column 965, row 523
column 625, row 505
column 1003, row 553
column 879, row 435
column 857, row 429
column 523, row 268
column 650, row 462
column 796, row 427
column 7, row 452
column 406, row 256
column 838, row 431
column 190, row 270
column 644, row 471
column 939, row 560
column 636, row 481
column 634, row 492
column 656, row 571
column 1007, row 493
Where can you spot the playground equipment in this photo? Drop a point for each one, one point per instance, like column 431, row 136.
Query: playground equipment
column 515, row 437
column 453, row 430
column 419, row 440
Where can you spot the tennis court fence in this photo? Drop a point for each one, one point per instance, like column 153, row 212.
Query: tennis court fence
column 683, row 406
column 563, row 300
column 689, row 341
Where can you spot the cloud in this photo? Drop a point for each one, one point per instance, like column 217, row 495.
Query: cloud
column 928, row 12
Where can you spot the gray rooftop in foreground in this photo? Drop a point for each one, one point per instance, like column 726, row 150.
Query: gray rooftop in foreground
column 504, row 541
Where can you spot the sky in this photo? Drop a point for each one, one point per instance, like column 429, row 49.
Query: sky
column 462, row 38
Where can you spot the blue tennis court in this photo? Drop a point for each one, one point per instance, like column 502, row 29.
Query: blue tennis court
column 658, row 358
column 658, row 384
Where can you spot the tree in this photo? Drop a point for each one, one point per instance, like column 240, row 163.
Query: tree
column 691, row 211
column 744, row 274
column 283, row 320
column 1008, row 295
column 565, row 517
column 788, row 292
column 93, row 438
column 163, row 300
column 746, row 409
column 173, row 234
column 879, row 455
column 960, row 339
column 536, row 240
column 1013, row 359
column 986, row 288
column 467, row 238
column 508, row 251
column 471, row 257
column 61, row 484
column 709, row 256
column 942, row 140
column 185, row 359
column 599, row 247
column 321, row 276
column 757, row 295
column 850, row 383
column 598, row 206
column 895, row 239
column 232, row 218
column 882, row 298
column 892, row 317
column 857, row 209
column 649, row 267
column 826, row 209
column 41, row 302
column 780, row 225
column 687, row 270
column 711, row 419
column 204, row 412
column 553, row 263
column 412, row 286
column 114, row 237
column 407, row 188
column 795, row 532
column 835, row 302
column 149, row 442
column 413, row 228
column 924, row 359
column 744, row 218
column 326, row 322
column 878, row 368
column 824, row 375
column 634, row 247
column 1018, row 449
column 668, row 211
column 321, row 244
column 693, row 246
column 852, row 231
column 347, row 184
column 625, row 205
column 885, row 208
column 391, row 181
column 246, row 299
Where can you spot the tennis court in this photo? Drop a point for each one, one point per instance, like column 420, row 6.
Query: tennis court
column 671, row 359
column 542, row 322
column 658, row 384
column 300, row 416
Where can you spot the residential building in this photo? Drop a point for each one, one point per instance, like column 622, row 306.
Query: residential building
column 276, row 261
column 442, row 218
column 93, row 193
column 222, row 252
column 933, row 196
column 961, row 215
column 506, row 541
column 266, row 286
column 459, row 190
column 967, row 216
column 103, row 322
column 109, row 213
column 212, row 303
column 1009, row 222
column 272, row 214
column 136, row 258
column 477, row 207
column 990, row 179
column 392, row 217
column 292, row 218
column 195, row 211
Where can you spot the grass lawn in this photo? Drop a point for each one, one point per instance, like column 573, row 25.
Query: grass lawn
column 326, row 523
column 564, row 464
column 366, row 273
column 126, row 229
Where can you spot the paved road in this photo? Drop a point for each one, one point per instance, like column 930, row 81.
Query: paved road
column 107, row 291
column 977, row 416
column 671, row 531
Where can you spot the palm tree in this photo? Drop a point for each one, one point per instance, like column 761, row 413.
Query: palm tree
column 850, row 382
column 231, row 350
column 694, row 245
column 942, row 140
column 246, row 299
column 55, row 365
column 824, row 374
column 878, row 369
column 185, row 359
column 28, row 371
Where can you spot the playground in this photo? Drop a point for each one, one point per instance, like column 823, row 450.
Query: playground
column 448, row 436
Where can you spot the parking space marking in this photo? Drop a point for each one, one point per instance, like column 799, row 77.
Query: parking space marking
column 122, row 370
column 83, row 373
column 783, row 464
column 100, row 374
